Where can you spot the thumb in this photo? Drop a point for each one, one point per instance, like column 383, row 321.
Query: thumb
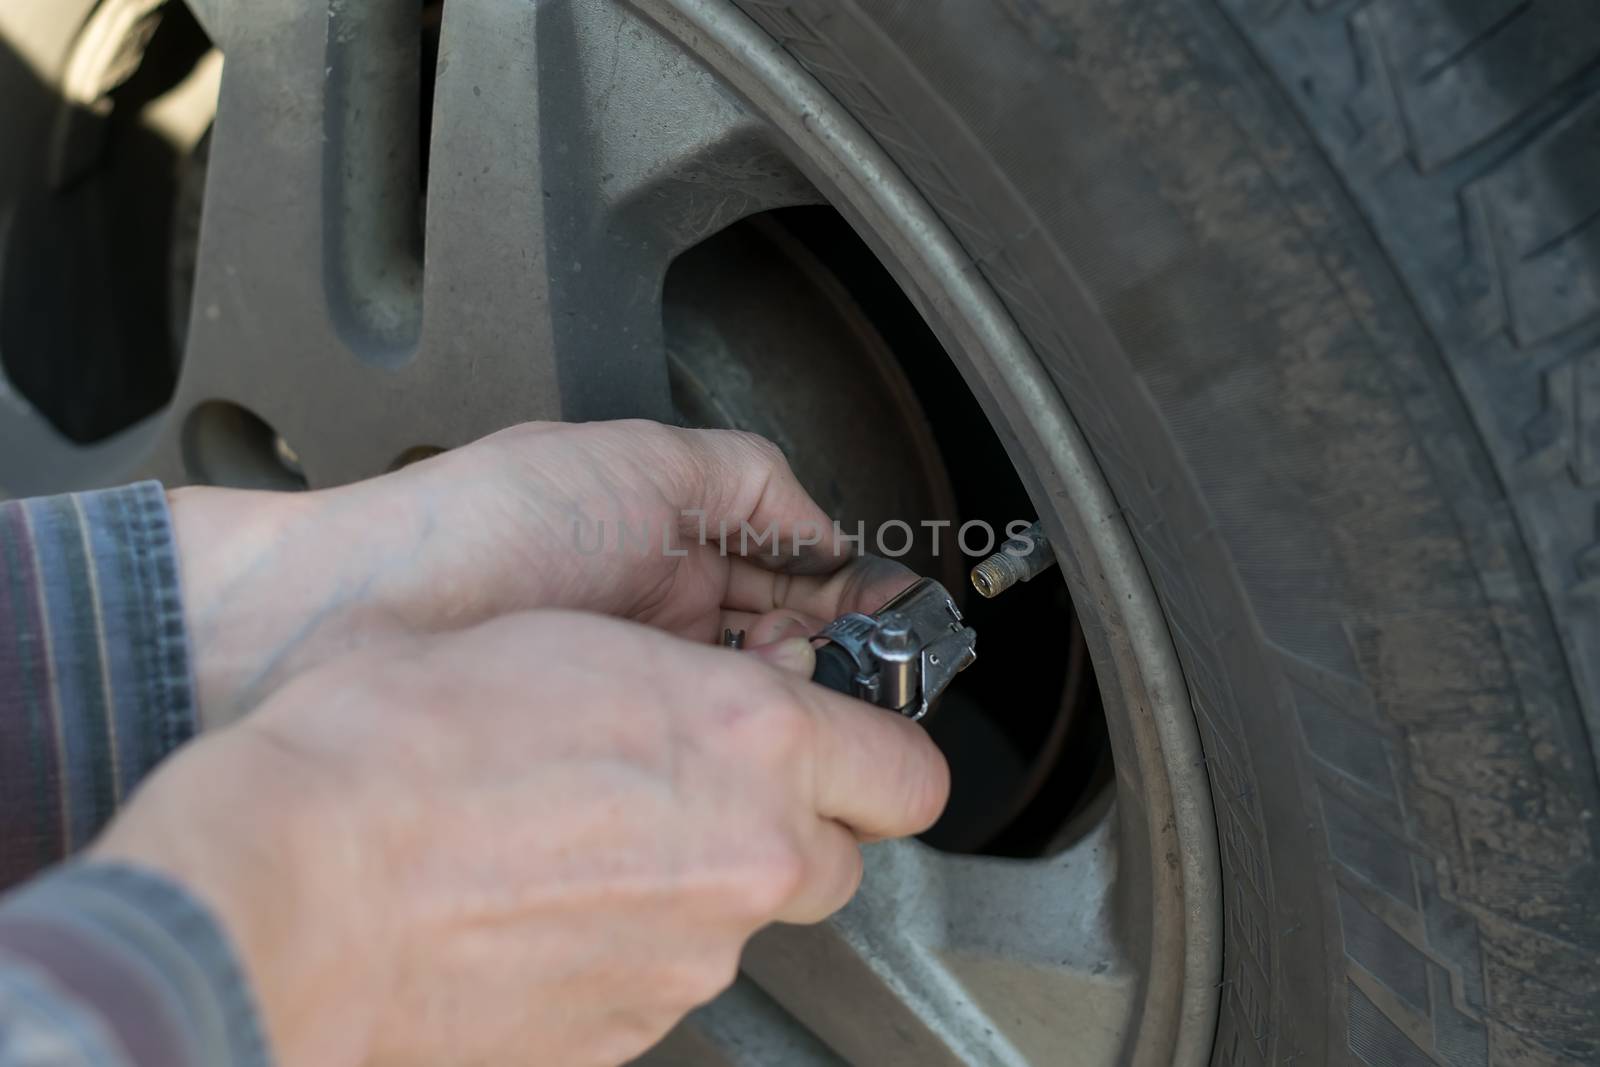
column 783, row 639
column 792, row 654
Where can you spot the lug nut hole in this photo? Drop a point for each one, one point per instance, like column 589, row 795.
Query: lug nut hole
column 415, row 454
column 226, row 444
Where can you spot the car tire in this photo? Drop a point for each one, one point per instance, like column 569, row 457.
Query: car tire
column 1321, row 284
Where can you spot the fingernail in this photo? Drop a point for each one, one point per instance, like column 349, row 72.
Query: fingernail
column 792, row 654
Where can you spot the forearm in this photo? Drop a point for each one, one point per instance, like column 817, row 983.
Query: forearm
column 275, row 583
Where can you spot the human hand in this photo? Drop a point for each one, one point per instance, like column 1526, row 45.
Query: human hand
column 275, row 583
column 548, row 836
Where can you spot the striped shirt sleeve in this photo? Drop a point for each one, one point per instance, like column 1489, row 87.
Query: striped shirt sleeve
column 104, row 965
column 100, row 965
column 95, row 684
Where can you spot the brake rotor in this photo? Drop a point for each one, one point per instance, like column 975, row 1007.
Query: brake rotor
column 762, row 337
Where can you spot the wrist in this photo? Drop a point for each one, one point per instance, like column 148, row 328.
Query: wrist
column 273, row 583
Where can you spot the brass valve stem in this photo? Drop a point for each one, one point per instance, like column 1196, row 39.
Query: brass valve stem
column 1020, row 559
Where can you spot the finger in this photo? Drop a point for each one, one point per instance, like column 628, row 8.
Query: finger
column 776, row 626
column 793, row 655
column 873, row 770
column 779, row 638
column 865, row 585
column 746, row 487
column 833, row 874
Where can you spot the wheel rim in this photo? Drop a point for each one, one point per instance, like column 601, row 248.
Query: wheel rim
column 576, row 151
column 890, row 939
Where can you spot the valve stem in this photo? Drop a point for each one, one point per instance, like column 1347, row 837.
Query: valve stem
column 1020, row 559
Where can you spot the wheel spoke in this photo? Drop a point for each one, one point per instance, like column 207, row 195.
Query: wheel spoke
column 306, row 277
column 485, row 305
column 574, row 153
column 957, row 960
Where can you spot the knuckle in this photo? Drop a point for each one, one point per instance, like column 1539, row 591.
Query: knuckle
column 848, row 869
column 774, row 880
column 669, row 444
column 765, row 451
column 627, row 1033
column 722, row 972
column 761, row 461
column 787, row 728
column 929, row 788
column 640, row 428
column 670, row 440
column 705, row 977
column 855, row 872
column 923, row 784
column 764, row 722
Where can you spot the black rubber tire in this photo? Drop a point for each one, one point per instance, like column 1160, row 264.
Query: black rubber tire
column 1321, row 281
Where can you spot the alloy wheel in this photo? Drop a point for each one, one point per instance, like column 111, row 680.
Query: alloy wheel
column 367, row 288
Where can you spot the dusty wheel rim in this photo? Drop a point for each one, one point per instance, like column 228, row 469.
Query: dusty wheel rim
column 891, row 936
column 576, row 151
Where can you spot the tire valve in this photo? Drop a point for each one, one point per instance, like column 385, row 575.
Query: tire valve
column 1020, row 559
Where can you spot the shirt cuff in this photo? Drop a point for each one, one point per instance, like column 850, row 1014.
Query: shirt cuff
column 95, row 679
column 120, row 961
